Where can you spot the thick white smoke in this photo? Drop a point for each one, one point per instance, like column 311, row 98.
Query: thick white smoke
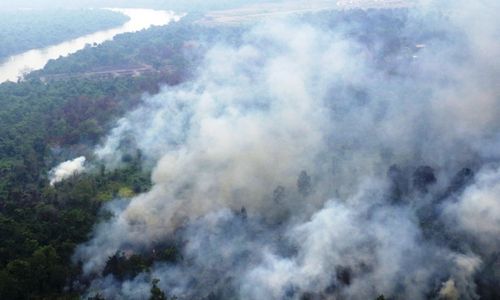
column 344, row 160
column 67, row 169
column 477, row 212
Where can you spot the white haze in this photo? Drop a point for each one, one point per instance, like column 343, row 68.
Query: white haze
column 67, row 169
column 184, row 5
column 261, row 112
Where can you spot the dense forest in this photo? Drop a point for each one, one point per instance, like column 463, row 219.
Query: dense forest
column 40, row 224
column 220, row 225
column 177, row 49
column 46, row 122
column 22, row 30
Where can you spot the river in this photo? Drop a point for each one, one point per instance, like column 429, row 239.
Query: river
column 16, row 66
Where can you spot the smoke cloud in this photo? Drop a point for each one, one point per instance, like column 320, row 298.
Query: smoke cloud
column 67, row 169
column 320, row 161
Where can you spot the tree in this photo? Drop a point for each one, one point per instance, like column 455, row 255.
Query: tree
column 123, row 267
column 156, row 293
column 48, row 274
column 304, row 184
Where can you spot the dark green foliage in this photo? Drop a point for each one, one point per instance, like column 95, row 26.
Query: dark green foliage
column 126, row 267
column 169, row 254
column 39, row 223
column 164, row 48
column 172, row 52
column 41, row 273
column 35, row 117
column 22, row 30
column 44, row 122
column 38, row 121
column 61, row 219
column 156, row 293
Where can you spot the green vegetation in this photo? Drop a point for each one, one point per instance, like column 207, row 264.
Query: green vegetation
column 48, row 119
column 40, row 236
column 40, row 225
column 123, row 266
column 45, row 120
column 174, row 51
column 156, row 293
column 22, row 30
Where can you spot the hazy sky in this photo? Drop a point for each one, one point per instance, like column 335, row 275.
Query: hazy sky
column 168, row 4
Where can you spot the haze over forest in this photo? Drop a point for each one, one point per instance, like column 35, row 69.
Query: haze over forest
column 191, row 5
column 299, row 150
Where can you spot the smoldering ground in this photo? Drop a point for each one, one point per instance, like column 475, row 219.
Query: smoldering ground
column 340, row 156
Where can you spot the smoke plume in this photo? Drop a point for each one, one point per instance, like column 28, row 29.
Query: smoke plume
column 321, row 160
column 67, row 169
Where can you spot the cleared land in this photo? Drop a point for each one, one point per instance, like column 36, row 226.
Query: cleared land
column 256, row 12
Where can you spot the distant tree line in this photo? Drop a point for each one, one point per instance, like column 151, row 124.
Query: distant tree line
column 23, row 30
